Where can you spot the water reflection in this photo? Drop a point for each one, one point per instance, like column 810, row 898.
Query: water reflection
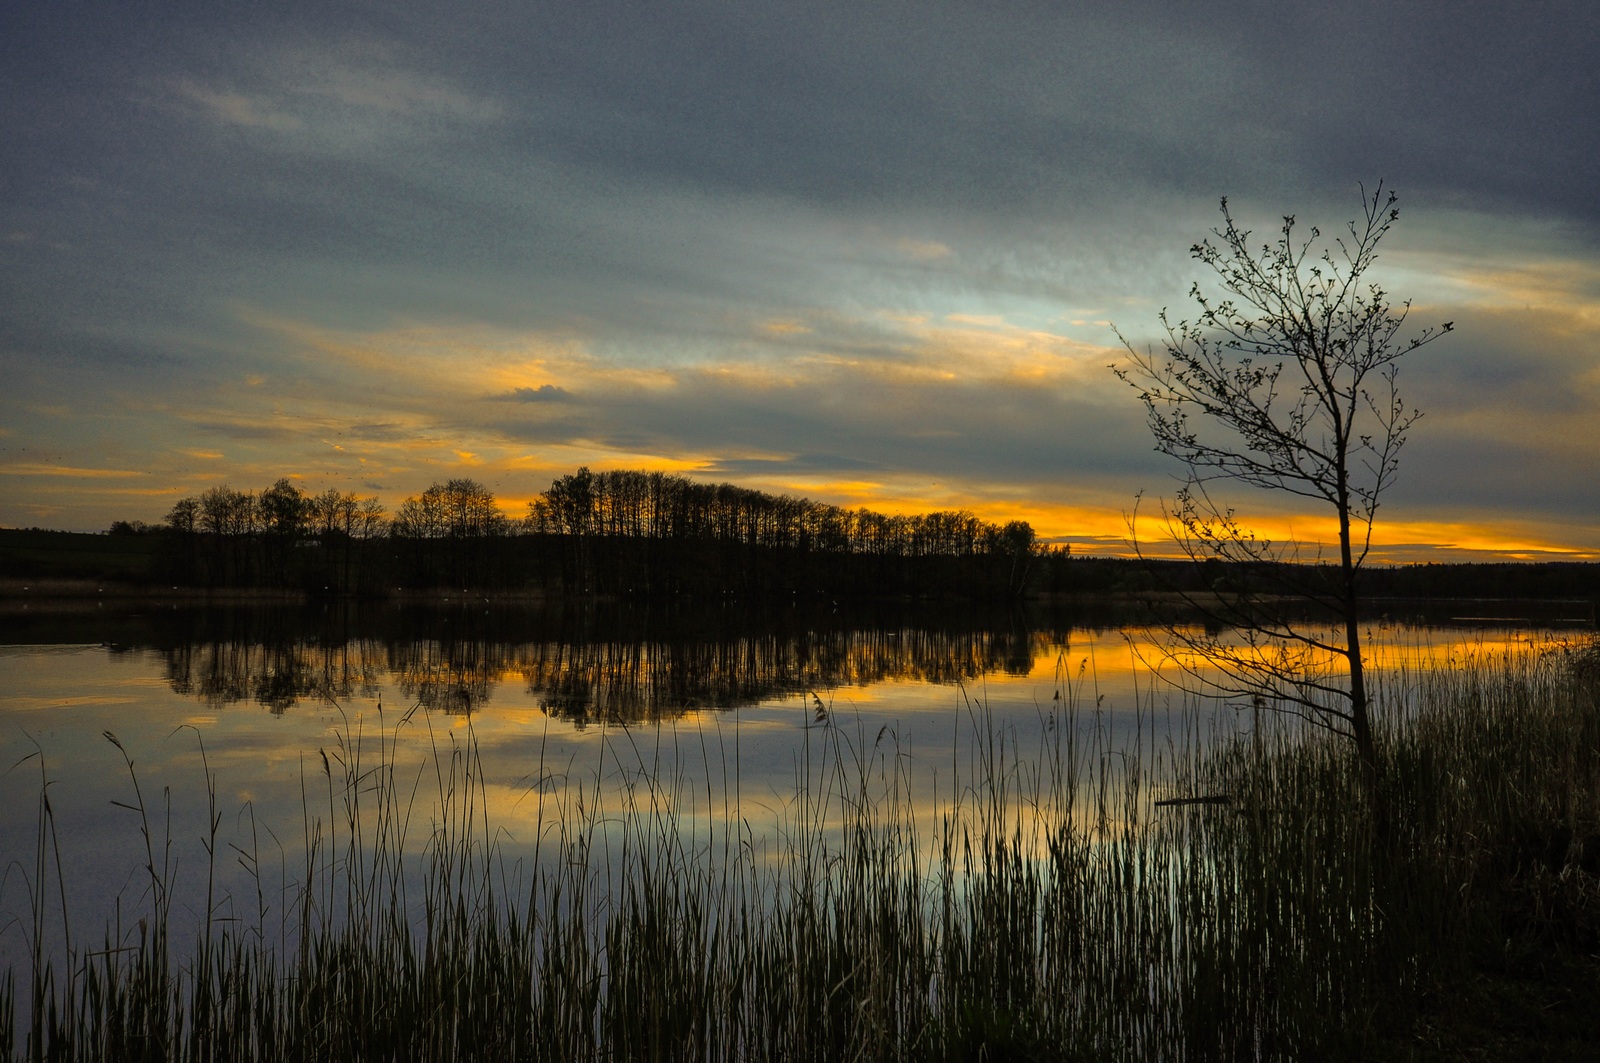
column 628, row 682
column 277, row 675
column 590, row 664
column 592, row 680
column 584, row 666
column 180, row 686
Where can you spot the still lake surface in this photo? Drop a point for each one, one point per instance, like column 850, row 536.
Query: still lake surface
column 728, row 714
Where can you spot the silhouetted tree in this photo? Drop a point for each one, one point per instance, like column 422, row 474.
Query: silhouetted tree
column 624, row 530
column 183, row 515
column 1287, row 382
column 227, row 521
column 283, row 510
column 449, row 528
column 1016, row 543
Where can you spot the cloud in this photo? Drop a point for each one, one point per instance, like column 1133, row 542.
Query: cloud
column 845, row 250
column 373, row 76
column 67, row 471
column 542, row 393
column 258, row 429
column 925, row 250
column 238, row 109
column 387, row 430
column 789, row 466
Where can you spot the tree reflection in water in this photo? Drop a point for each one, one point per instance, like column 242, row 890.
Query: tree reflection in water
column 276, row 675
column 617, row 669
column 627, row 682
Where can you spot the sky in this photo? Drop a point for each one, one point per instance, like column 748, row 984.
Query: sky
column 874, row 254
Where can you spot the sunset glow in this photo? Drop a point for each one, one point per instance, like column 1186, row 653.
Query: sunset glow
column 842, row 264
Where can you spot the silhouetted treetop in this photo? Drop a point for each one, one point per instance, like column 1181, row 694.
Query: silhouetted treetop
column 670, row 507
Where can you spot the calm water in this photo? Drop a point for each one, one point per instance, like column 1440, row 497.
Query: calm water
column 729, row 710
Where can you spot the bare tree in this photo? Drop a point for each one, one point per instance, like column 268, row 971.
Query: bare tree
column 1286, row 381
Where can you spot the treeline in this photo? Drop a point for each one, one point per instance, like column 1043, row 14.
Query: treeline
column 279, row 537
column 653, row 533
column 609, row 533
column 658, row 535
column 1392, row 590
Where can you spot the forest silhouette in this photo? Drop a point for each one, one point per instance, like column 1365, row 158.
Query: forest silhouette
column 651, row 536
column 610, row 533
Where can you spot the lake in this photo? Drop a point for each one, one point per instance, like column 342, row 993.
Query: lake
column 728, row 715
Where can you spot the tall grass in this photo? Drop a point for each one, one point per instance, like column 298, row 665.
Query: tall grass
column 1050, row 909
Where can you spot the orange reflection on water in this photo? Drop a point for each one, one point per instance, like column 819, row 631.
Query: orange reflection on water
column 719, row 735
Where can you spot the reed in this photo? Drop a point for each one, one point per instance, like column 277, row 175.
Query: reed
column 1051, row 909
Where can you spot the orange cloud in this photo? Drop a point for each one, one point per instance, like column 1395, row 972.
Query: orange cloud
column 924, row 250
column 36, row 469
column 785, row 327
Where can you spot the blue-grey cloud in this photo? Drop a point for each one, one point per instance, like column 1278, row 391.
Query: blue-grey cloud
column 542, row 393
column 717, row 191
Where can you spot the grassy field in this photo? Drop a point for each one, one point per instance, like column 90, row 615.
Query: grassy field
column 1055, row 912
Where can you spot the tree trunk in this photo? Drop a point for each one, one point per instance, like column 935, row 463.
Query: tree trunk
column 1360, row 718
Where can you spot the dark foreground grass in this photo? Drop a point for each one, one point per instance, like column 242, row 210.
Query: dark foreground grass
column 1053, row 912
